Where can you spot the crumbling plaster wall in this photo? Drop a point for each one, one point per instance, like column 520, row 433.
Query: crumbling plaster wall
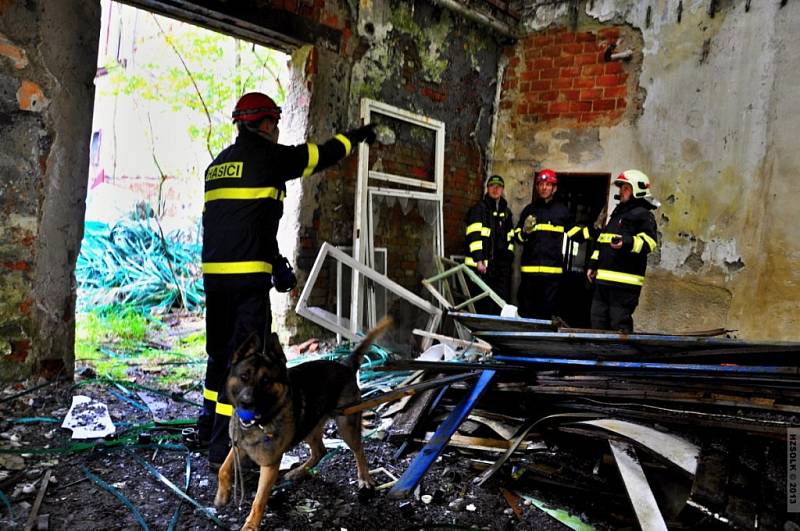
column 716, row 131
column 46, row 96
column 415, row 56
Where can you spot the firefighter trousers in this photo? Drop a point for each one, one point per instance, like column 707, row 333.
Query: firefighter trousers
column 613, row 307
column 231, row 317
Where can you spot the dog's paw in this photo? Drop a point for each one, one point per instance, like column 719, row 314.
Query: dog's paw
column 222, row 498
column 366, row 482
column 249, row 525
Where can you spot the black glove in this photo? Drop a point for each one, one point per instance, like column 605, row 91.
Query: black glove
column 283, row 278
column 363, row 134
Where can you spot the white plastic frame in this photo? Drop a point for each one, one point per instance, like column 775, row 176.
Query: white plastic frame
column 362, row 229
column 342, row 326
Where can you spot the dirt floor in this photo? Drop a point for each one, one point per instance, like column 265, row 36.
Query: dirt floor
column 329, row 500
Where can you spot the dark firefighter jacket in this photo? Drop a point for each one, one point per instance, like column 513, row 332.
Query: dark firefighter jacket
column 635, row 223
column 542, row 249
column 490, row 229
column 244, row 191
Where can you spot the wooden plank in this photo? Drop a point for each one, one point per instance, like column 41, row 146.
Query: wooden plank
column 428, row 454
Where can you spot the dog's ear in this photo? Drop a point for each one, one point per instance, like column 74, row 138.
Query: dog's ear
column 273, row 349
column 250, row 347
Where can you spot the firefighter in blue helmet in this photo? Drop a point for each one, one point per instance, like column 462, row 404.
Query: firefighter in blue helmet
column 489, row 245
column 619, row 261
column 245, row 187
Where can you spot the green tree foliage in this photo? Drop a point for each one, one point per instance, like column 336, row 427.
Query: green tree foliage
column 198, row 71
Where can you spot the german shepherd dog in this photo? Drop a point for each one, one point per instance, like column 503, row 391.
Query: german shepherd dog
column 276, row 408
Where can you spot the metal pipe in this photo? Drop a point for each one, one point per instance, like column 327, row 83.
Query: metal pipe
column 487, row 20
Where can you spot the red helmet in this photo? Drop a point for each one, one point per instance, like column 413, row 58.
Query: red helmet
column 546, row 176
column 254, row 106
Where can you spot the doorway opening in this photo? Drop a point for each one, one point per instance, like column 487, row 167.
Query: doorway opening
column 164, row 92
column 586, row 197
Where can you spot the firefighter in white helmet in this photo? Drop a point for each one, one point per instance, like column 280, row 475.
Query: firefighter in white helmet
column 619, row 261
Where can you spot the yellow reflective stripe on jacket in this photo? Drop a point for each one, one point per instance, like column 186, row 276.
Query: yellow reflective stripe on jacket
column 495, row 213
column 237, row 268
column 475, row 227
column 313, row 159
column 548, row 227
column 622, row 278
column 268, row 192
column 486, row 232
column 606, row 237
column 511, row 247
column 476, row 246
column 542, row 269
column 575, row 230
column 638, row 243
column 510, row 235
column 648, row 240
column 224, row 409
column 346, row 142
column 209, row 394
column 472, row 263
column 595, row 255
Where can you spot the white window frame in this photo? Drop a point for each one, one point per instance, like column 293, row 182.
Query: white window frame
column 363, row 243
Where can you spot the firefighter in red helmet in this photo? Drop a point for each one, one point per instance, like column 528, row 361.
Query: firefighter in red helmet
column 541, row 230
column 245, row 187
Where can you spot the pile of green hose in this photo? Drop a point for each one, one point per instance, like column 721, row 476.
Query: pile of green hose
column 130, row 263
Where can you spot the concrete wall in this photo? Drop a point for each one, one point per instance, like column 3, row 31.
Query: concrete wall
column 710, row 113
column 46, row 95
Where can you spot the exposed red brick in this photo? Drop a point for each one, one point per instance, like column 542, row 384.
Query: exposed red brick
column 541, row 40
column 604, row 105
column 622, row 103
column 591, row 94
column 17, row 266
column 610, row 81
column 580, row 106
column 585, row 37
column 525, row 86
column 559, row 106
column 548, row 96
column 570, row 71
column 592, row 70
column 565, row 38
column 573, row 49
column 522, row 108
column 19, row 351
column 584, row 82
column 510, row 84
column 564, row 61
column 614, row 68
column 513, row 62
column 595, row 47
column 590, row 116
column 609, row 33
column 586, row 59
column 537, row 108
column 551, row 51
column 543, row 62
column 571, row 95
column 530, row 75
column 563, row 83
column 615, row 92
column 532, row 54
column 290, row 5
column 543, row 84
column 25, row 307
column 548, row 73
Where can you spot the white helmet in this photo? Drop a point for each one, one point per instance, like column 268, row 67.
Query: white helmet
column 640, row 184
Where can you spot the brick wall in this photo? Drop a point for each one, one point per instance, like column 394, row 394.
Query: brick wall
column 559, row 74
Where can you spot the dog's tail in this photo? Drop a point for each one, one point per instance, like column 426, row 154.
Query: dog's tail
column 354, row 360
